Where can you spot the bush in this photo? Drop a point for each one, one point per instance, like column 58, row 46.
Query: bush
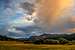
column 38, row 41
column 51, row 41
column 63, row 41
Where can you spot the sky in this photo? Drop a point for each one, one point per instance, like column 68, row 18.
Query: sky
column 13, row 14
column 56, row 15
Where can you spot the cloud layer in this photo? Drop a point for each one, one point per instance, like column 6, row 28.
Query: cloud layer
column 10, row 11
column 13, row 14
column 55, row 15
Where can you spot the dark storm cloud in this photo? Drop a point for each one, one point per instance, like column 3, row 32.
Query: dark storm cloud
column 28, row 6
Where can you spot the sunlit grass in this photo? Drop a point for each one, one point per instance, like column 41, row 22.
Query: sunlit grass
column 21, row 46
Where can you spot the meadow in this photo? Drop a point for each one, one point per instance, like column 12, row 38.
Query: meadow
column 13, row 45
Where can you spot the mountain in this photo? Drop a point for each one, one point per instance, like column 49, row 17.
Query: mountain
column 5, row 38
column 69, row 37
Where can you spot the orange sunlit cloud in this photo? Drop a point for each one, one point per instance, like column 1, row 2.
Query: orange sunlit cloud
column 49, row 12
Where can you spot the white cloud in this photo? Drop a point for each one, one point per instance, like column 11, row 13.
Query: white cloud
column 13, row 30
column 22, row 21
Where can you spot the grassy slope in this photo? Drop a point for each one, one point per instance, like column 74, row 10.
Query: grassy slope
column 12, row 45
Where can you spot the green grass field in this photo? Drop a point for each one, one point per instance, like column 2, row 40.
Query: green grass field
column 13, row 45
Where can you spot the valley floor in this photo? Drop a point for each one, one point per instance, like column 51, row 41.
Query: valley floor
column 13, row 45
